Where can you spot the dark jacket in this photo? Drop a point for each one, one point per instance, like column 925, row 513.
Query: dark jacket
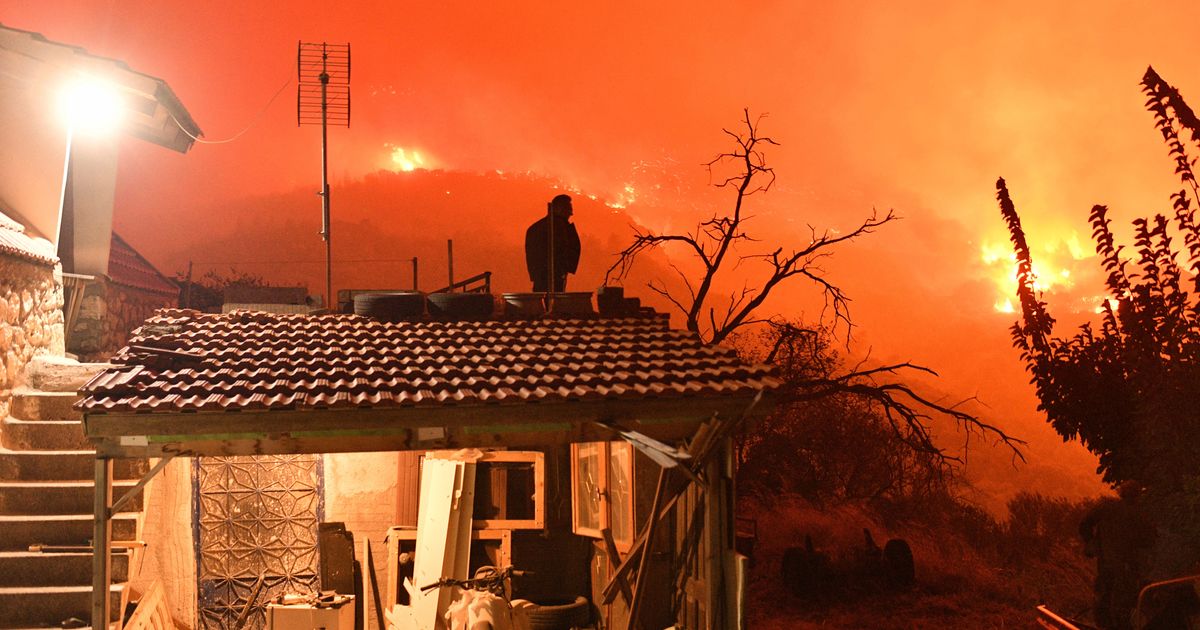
column 537, row 246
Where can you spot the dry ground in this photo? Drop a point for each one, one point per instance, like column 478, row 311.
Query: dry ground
column 959, row 583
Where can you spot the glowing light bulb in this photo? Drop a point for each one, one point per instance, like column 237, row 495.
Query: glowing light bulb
column 92, row 105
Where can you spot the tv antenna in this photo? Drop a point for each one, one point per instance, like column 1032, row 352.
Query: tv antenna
column 323, row 97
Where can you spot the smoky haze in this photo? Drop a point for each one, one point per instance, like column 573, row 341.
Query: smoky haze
column 876, row 105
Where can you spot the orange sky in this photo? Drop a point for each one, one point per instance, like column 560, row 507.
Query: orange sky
column 875, row 103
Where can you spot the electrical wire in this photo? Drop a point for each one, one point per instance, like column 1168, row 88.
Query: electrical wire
column 298, row 262
column 253, row 122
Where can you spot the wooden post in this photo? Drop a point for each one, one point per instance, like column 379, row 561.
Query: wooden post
column 639, row 587
column 716, row 536
column 187, row 287
column 101, row 537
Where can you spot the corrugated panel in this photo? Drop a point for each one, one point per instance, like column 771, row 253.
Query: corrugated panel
column 24, row 246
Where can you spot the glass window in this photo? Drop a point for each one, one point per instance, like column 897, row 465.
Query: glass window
column 602, row 490
column 620, row 492
column 587, row 488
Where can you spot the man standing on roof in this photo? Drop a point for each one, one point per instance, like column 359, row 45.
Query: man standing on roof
column 552, row 247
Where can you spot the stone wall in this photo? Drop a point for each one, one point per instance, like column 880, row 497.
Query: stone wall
column 108, row 312
column 31, row 319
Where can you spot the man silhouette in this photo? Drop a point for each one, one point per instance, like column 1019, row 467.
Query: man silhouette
column 552, row 247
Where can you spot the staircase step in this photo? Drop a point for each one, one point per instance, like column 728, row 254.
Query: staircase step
column 18, row 532
column 43, row 435
column 60, row 374
column 48, row 606
column 33, row 404
column 31, row 568
column 62, row 466
column 58, row 497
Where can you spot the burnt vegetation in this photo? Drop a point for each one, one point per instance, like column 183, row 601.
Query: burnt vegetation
column 853, row 448
column 721, row 247
column 1128, row 387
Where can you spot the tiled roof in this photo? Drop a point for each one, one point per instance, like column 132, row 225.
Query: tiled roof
column 127, row 267
column 15, row 242
column 246, row 361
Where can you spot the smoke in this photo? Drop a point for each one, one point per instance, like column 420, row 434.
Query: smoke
column 876, row 105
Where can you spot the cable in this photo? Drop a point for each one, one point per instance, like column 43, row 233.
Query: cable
column 297, row 262
column 253, row 122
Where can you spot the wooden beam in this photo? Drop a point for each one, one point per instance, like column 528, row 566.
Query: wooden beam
column 614, row 561
column 638, row 413
column 101, row 535
column 639, row 586
column 354, row 440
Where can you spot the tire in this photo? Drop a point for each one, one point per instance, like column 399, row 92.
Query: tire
column 576, row 614
column 390, row 307
column 461, row 305
column 898, row 563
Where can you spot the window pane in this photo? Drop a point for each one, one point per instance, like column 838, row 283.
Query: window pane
column 587, row 485
column 620, row 491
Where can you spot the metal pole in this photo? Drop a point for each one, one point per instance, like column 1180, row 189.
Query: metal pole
column 324, row 76
column 187, row 288
column 101, row 537
column 415, row 273
column 550, row 256
column 450, row 267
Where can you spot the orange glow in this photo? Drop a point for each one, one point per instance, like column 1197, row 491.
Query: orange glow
column 1055, row 265
column 407, row 160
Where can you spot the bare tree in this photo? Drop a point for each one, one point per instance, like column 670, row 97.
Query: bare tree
column 716, row 244
column 715, row 240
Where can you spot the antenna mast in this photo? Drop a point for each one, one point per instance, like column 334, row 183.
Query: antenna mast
column 323, row 97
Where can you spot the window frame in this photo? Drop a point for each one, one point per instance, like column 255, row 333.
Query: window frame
column 606, row 452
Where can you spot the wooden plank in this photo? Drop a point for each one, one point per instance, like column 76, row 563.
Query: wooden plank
column 639, row 586
column 437, row 533
column 464, row 509
column 408, row 483
column 633, row 414
column 352, row 441
column 502, row 537
column 152, row 612
column 370, row 589
column 614, row 561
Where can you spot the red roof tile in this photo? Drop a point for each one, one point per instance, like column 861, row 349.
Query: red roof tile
column 181, row 361
column 127, row 267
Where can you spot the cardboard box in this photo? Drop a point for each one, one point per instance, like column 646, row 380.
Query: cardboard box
column 309, row 617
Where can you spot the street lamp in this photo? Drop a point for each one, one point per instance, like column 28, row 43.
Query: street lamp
column 91, row 105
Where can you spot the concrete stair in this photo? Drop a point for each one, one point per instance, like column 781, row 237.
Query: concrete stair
column 32, row 606
column 33, row 568
column 46, row 498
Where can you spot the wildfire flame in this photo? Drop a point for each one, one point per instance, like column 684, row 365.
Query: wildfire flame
column 1054, row 269
column 407, row 160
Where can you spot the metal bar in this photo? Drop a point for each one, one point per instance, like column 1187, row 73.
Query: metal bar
column 415, row 273
column 101, row 535
column 450, row 263
column 325, row 180
column 1051, row 621
column 137, row 487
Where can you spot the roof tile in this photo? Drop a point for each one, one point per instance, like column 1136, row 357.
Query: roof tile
column 260, row 361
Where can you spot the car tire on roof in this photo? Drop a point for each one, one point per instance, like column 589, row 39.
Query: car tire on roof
column 390, row 306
